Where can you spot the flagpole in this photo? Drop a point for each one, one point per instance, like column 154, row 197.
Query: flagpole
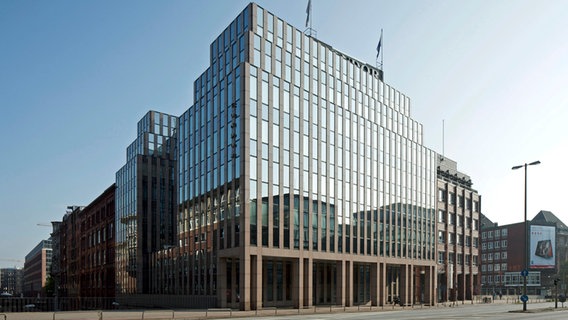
column 311, row 16
column 382, row 51
column 309, row 30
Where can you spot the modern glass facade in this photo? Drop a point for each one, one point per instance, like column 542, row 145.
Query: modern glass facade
column 211, row 136
column 145, row 201
column 303, row 178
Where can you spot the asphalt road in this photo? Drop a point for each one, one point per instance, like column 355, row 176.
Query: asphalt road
column 460, row 311
column 477, row 311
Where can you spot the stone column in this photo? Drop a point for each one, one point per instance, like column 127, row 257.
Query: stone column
column 244, row 292
column 298, row 280
column 308, row 281
column 428, row 286
column 349, row 284
column 256, row 282
column 383, row 283
column 340, row 283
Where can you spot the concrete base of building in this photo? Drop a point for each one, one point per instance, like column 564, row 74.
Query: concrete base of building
column 167, row 301
column 262, row 282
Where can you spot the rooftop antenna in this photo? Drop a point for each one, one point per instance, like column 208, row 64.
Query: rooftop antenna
column 309, row 30
column 379, row 63
column 443, row 138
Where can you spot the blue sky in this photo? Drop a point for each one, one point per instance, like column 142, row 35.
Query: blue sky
column 76, row 76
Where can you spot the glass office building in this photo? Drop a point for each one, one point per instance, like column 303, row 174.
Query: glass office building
column 303, row 179
column 145, row 202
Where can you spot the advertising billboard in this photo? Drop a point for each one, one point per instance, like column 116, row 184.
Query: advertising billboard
column 542, row 247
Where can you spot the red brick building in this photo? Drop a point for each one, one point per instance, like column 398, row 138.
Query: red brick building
column 97, row 273
column 503, row 251
column 85, row 252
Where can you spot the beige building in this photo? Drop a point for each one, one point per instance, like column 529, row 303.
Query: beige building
column 459, row 207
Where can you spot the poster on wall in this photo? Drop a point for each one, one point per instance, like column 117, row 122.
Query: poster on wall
column 542, row 247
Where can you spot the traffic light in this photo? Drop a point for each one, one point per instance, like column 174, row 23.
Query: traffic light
column 556, row 282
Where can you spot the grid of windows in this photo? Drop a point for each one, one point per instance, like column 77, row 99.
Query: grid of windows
column 334, row 158
column 144, row 186
column 322, row 154
column 328, row 131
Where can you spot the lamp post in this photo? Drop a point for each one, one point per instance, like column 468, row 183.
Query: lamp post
column 525, row 271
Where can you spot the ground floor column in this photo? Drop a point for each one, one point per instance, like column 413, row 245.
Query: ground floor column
column 383, row 283
column 308, row 283
column 298, row 286
column 412, row 286
column 340, row 279
column 349, row 283
column 256, row 282
column 429, row 286
column 244, row 282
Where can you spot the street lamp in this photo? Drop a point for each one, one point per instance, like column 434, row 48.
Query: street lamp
column 525, row 271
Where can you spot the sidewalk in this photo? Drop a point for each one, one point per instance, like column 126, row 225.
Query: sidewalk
column 218, row 313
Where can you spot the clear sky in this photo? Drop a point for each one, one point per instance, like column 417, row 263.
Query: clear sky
column 76, row 76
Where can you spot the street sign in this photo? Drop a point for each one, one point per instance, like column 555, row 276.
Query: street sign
column 524, row 273
column 524, row 298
